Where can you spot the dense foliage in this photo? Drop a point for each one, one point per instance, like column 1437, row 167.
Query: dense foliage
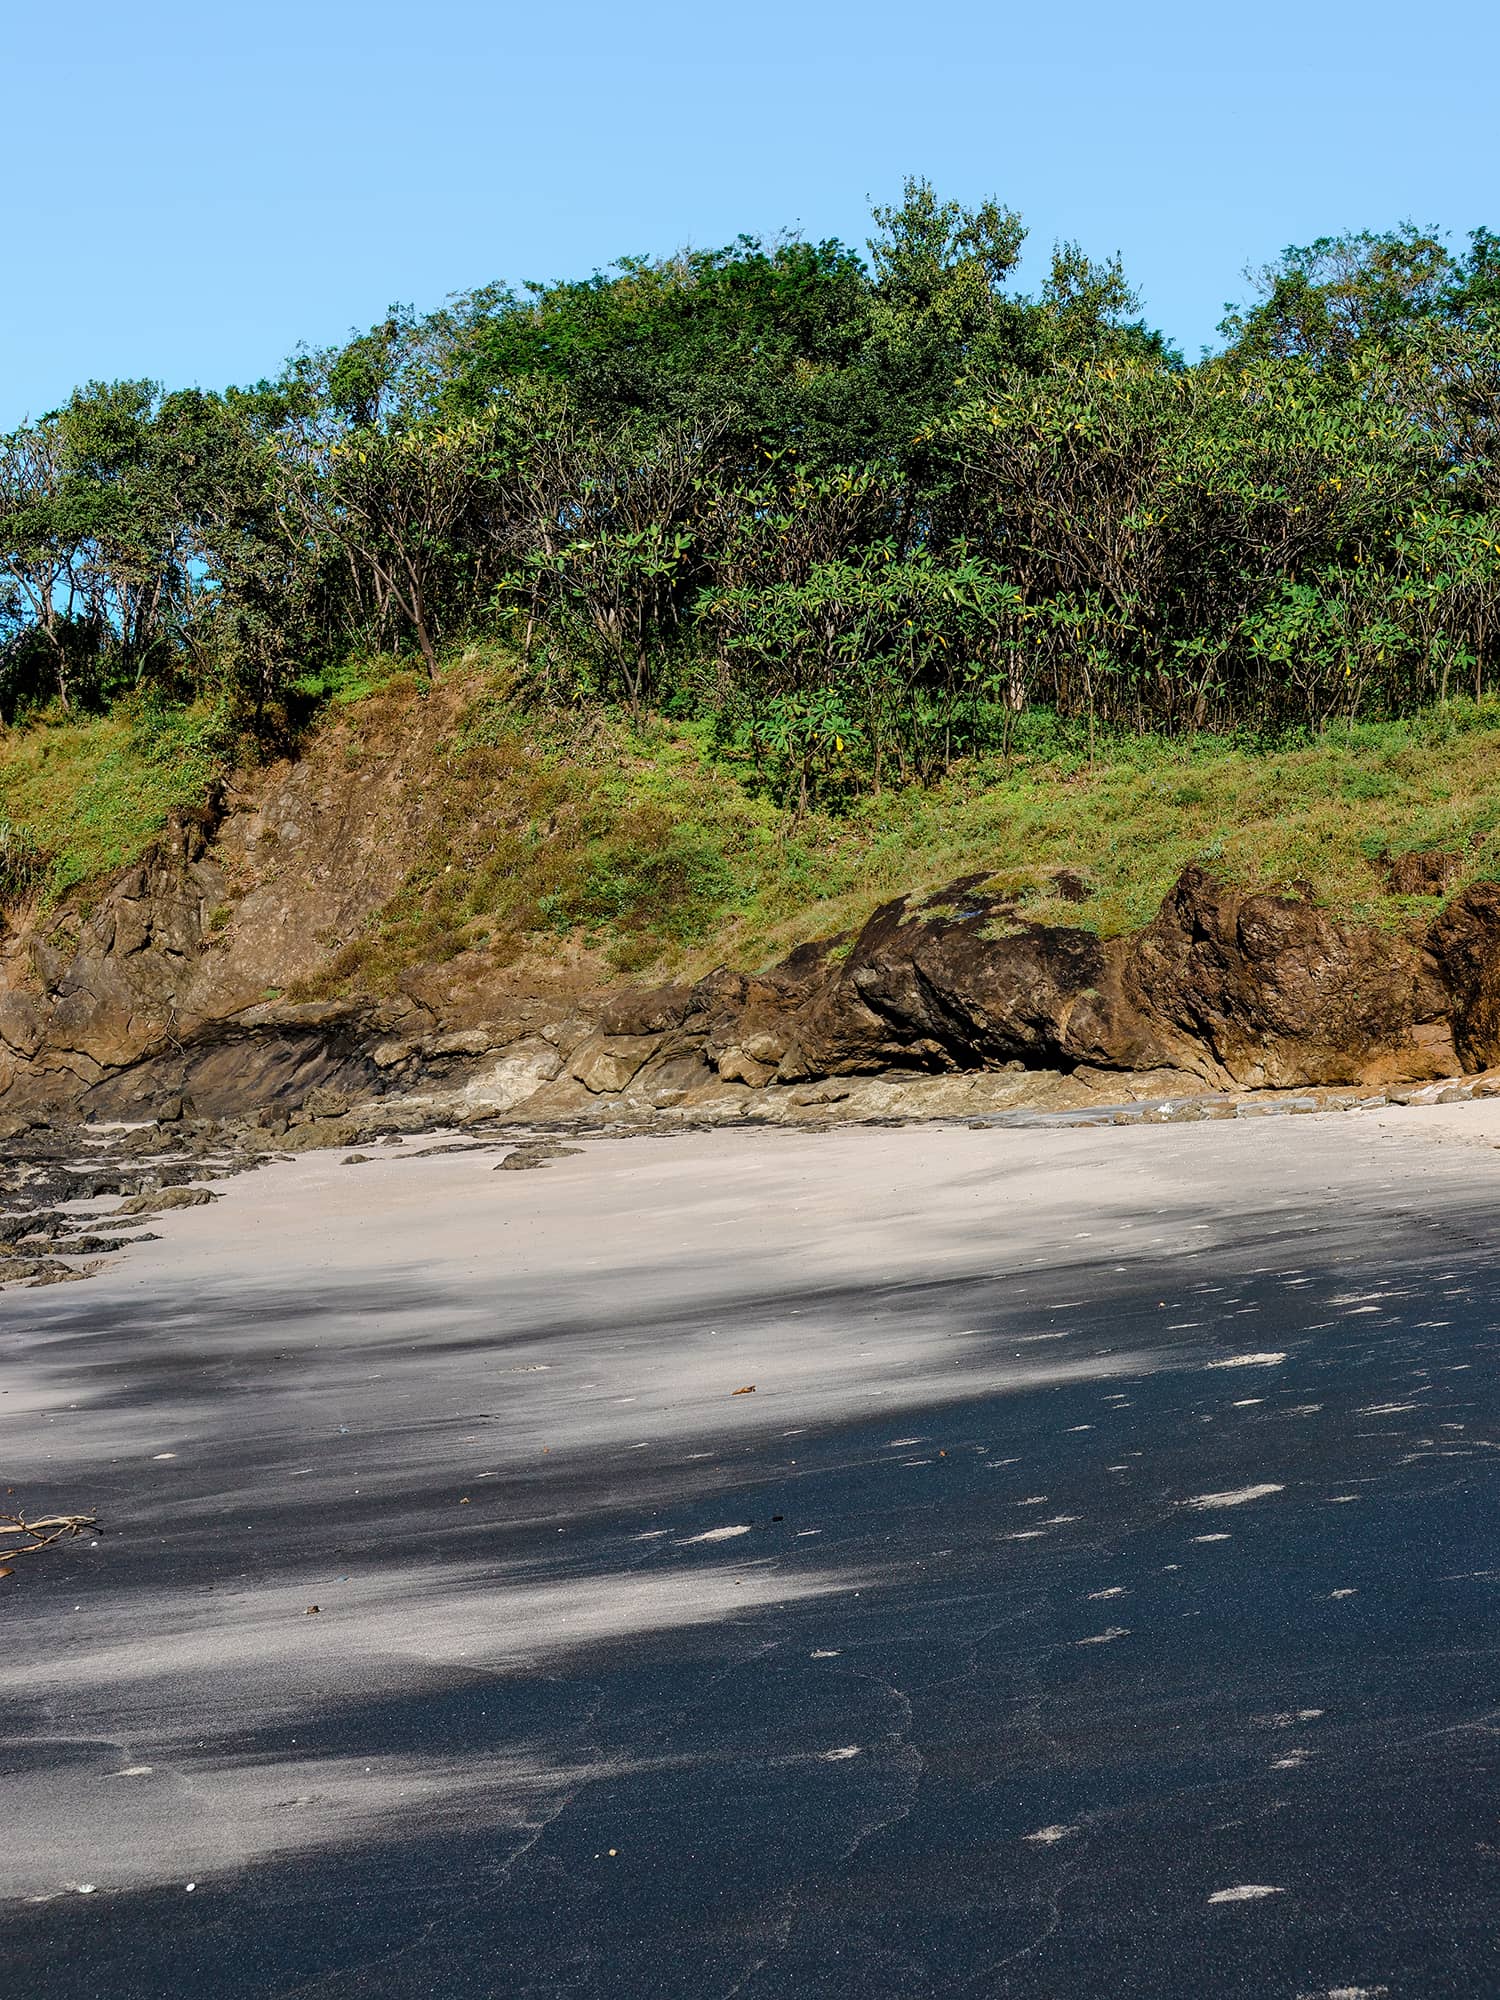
column 863, row 512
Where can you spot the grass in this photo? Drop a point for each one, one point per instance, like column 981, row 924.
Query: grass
column 1325, row 810
column 1131, row 818
column 647, row 847
column 345, row 682
column 83, row 797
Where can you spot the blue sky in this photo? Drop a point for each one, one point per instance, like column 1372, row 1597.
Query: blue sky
column 194, row 190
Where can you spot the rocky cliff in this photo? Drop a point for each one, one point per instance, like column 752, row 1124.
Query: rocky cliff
column 174, row 979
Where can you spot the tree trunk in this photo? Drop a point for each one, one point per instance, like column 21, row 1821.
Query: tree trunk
column 424, row 637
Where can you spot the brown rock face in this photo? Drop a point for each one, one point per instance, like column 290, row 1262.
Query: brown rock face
column 608, row 1063
column 131, row 1001
column 1256, row 989
column 145, row 996
column 1430, row 871
column 1275, row 992
column 963, row 982
column 1465, row 943
column 646, row 1010
column 94, row 991
column 745, row 1023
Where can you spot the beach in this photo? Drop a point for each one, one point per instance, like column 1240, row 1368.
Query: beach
column 867, row 1561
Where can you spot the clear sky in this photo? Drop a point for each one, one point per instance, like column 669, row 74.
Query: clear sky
column 197, row 188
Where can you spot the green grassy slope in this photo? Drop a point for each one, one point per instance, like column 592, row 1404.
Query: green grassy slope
column 648, row 847
column 82, row 797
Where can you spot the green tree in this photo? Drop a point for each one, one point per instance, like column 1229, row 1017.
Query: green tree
column 1324, row 302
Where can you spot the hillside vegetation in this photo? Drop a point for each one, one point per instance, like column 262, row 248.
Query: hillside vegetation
column 645, row 846
column 779, row 577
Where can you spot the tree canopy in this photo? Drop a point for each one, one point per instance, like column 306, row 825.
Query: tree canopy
column 860, row 509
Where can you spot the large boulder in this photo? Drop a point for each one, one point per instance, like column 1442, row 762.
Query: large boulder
column 1275, row 992
column 964, row 981
column 1261, row 988
column 606, row 1064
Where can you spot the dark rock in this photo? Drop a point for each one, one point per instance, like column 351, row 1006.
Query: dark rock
column 1465, row 942
column 319, row 1133
column 157, row 1204
column 807, row 965
column 12, row 1268
column 536, row 1153
column 36, row 1222
column 972, row 987
column 146, row 1143
column 747, row 1022
column 1224, row 986
column 1273, row 991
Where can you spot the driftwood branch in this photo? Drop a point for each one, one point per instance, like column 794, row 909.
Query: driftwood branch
column 53, row 1529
